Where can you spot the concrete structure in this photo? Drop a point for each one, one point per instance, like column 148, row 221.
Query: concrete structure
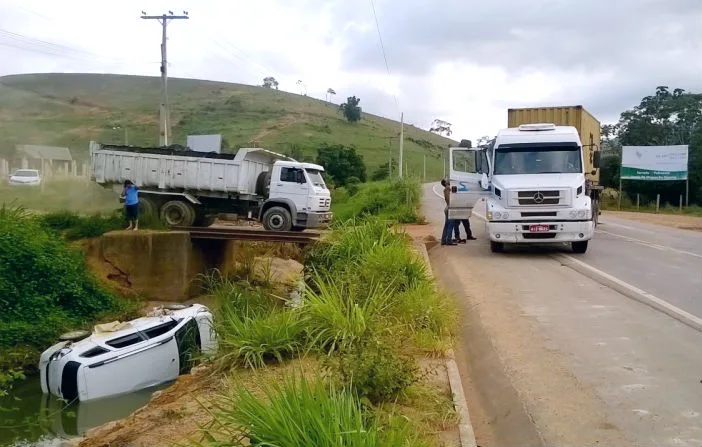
column 49, row 160
column 160, row 266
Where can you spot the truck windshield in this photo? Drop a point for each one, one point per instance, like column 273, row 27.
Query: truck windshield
column 536, row 159
column 316, row 177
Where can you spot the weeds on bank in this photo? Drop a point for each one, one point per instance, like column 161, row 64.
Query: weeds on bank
column 369, row 306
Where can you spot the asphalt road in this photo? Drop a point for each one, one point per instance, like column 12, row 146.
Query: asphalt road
column 591, row 365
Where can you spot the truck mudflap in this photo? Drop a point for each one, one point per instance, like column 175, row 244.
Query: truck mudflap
column 541, row 232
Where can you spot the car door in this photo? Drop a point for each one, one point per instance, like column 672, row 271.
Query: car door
column 469, row 176
column 291, row 184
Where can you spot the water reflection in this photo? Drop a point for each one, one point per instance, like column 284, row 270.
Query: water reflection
column 29, row 418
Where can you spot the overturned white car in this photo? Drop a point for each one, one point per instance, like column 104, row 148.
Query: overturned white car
column 120, row 358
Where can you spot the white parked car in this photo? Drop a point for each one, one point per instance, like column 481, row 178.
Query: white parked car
column 25, row 177
column 119, row 358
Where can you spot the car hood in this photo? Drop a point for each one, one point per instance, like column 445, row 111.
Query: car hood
column 538, row 181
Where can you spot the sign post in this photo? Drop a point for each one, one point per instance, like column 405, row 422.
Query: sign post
column 655, row 163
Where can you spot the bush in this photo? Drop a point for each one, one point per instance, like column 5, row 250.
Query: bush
column 75, row 226
column 376, row 371
column 339, row 316
column 45, row 287
column 255, row 339
column 297, row 412
column 396, row 200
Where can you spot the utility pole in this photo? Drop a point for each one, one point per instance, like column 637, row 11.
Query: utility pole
column 164, row 115
column 402, row 140
column 424, row 176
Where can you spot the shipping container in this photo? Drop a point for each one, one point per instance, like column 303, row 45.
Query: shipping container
column 587, row 125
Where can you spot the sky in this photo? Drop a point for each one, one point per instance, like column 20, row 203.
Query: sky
column 462, row 61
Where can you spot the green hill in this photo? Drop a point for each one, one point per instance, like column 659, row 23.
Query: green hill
column 72, row 109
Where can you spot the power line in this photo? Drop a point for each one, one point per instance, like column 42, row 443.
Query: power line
column 382, row 48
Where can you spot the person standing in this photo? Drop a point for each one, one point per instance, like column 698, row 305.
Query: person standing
column 130, row 193
column 457, row 231
column 448, row 223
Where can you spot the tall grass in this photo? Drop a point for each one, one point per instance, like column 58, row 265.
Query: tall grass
column 396, row 200
column 297, row 412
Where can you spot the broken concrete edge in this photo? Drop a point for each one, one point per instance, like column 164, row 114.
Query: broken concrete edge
column 465, row 428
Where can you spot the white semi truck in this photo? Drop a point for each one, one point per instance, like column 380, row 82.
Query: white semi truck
column 189, row 188
column 533, row 183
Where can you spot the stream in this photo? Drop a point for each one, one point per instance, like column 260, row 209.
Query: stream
column 29, row 418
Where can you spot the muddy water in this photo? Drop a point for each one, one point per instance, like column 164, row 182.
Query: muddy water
column 30, row 419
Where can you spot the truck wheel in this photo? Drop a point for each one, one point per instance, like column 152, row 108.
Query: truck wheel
column 579, row 247
column 147, row 207
column 203, row 220
column 177, row 213
column 497, row 247
column 277, row 219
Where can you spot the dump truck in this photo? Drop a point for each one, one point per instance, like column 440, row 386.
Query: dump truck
column 189, row 188
column 588, row 128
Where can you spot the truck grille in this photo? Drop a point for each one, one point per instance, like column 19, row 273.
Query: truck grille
column 538, row 197
column 324, row 202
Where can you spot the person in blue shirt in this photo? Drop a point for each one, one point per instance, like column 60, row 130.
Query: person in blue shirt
column 130, row 193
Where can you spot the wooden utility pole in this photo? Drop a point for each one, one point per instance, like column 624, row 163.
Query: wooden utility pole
column 164, row 115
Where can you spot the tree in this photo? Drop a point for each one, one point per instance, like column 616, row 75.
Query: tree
column 341, row 163
column 350, row 109
column 465, row 143
column 303, row 87
column 664, row 118
column 382, row 172
column 330, row 92
column 441, row 127
column 269, row 82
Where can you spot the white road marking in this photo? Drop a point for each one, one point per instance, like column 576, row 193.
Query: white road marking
column 650, row 244
column 633, row 292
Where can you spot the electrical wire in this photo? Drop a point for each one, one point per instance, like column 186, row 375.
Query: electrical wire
column 382, row 48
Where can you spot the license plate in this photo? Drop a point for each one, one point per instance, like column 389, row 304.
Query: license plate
column 538, row 228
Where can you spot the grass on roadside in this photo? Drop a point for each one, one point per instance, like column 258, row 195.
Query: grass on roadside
column 396, row 200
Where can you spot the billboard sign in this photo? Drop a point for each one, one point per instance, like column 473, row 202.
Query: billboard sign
column 205, row 143
column 654, row 162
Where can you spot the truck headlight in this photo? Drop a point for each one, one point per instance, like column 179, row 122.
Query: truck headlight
column 505, row 215
column 582, row 214
column 497, row 215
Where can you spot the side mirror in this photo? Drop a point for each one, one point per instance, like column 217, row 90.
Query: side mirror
column 596, row 159
column 484, row 182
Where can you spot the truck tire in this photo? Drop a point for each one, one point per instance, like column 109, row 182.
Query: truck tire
column 263, row 182
column 204, row 220
column 579, row 247
column 277, row 218
column 177, row 213
column 147, row 207
column 497, row 247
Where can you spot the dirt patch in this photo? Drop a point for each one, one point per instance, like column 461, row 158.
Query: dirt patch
column 273, row 125
column 679, row 221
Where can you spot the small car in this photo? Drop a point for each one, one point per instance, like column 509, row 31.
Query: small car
column 25, row 177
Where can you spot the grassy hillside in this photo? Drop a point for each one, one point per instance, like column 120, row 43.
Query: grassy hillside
column 71, row 109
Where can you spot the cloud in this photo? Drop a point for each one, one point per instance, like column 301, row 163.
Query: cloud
column 464, row 61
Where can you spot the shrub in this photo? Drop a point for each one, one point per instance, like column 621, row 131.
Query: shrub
column 255, row 338
column 296, row 412
column 339, row 316
column 376, row 371
column 397, row 199
column 45, row 287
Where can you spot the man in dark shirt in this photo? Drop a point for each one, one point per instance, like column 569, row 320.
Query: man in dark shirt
column 448, row 223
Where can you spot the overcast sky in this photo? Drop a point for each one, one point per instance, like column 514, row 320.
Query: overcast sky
column 463, row 61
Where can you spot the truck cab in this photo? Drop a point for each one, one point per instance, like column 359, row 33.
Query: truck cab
column 533, row 181
column 297, row 198
column 538, row 188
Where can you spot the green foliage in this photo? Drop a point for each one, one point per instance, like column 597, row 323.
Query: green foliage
column 353, row 185
column 397, row 200
column 75, row 226
column 296, row 412
column 45, row 287
column 465, row 143
column 351, row 109
column 384, row 171
column 339, row 316
column 341, row 163
column 376, row 371
column 255, row 338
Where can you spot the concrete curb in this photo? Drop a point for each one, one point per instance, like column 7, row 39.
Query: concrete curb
column 465, row 428
column 630, row 291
